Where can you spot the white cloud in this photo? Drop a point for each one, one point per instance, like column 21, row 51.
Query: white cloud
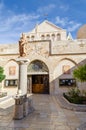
column 70, row 25
column 73, row 27
column 46, row 9
column 12, row 25
column 62, row 21
column 16, row 20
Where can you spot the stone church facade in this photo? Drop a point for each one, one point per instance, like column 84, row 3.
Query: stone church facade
column 53, row 56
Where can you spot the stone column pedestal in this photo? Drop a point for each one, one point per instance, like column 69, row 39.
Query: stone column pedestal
column 18, row 112
column 23, row 106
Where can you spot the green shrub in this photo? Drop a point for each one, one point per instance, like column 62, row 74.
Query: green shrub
column 74, row 92
column 80, row 73
column 74, row 96
column 2, row 76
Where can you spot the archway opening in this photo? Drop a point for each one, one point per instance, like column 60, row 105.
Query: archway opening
column 38, row 74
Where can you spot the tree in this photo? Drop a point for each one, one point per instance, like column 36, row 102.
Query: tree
column 2, row 76
column 80, row 73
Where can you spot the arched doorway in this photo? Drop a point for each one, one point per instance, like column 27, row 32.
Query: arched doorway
column 38, row 75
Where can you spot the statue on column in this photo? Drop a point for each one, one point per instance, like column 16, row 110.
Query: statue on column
column 22, row 45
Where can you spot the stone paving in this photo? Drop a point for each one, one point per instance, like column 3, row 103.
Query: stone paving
column 48, row 115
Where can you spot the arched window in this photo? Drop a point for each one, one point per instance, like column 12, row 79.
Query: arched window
column 53, row 37
column 37, row 66
column 32, row 37
column 47, row 37
column 58, row 37
column 42, row 37
column 28, row 38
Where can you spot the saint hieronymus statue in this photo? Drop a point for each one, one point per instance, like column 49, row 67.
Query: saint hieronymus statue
column 22, row 45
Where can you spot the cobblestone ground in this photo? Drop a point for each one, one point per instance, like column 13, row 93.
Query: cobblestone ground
column 47, row 116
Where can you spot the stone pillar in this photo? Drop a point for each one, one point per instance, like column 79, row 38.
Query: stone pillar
column 21, row 100
column 22, row 76
column 23, row 105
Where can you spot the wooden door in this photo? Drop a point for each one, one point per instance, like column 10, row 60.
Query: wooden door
column 40, row 84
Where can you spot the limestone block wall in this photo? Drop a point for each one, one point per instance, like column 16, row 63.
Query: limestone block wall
column 73, row 55
column 57, row 65
column 54, row 54
column 9, row 49
column 68, row 47
column 5, row 58
column 8, row 55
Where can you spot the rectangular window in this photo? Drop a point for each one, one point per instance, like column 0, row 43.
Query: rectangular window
column 10, row 82
column 67, row 82
column 12, row 70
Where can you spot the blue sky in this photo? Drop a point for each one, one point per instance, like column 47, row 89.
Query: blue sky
column 17, row 16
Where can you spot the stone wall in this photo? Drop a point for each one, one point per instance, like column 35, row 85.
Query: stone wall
column 9, row 49
column 55, row 55
column 68, row 47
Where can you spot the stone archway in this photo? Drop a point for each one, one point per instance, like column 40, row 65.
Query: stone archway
column 38, row 77
column 63, row 75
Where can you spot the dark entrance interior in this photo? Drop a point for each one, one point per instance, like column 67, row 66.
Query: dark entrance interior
column 40, row 84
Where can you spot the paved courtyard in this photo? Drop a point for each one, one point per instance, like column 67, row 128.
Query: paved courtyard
column 48, row 115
